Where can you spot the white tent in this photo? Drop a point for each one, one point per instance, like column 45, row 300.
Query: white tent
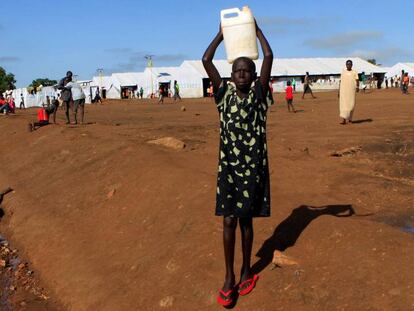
column 103, row 82
column 37, row 99
column 396, row 70
column 114, row 83
column 189, row 80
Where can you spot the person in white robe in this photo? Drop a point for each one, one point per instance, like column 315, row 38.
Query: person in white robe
column 348, row 87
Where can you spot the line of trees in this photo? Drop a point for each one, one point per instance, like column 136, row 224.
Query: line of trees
column 42, row 81
column 7, row 80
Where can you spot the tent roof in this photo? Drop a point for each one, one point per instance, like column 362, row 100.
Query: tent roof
column 106, row 81
column 128, row 78
column 396, row 69
column 295, row 66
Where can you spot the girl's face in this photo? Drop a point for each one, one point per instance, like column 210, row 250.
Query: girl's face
column 243, row 74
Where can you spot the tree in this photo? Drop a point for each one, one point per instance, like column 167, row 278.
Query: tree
column 43, row 82
column 372, row 61
column 7, row 81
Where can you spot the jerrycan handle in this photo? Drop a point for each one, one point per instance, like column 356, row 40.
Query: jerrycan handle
column 231, row 12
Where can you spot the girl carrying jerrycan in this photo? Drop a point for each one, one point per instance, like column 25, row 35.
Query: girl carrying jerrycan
column 243, row 186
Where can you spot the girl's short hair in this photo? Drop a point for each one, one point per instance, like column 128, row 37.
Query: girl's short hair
column 251, row 63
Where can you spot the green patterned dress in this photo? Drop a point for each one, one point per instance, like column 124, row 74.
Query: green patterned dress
column 243, row 186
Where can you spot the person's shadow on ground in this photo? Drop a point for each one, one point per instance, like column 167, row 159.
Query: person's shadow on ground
column 2, row 194
column 362, row 121
column 289, row 230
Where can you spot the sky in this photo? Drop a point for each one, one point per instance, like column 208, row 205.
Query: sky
column 44, row 39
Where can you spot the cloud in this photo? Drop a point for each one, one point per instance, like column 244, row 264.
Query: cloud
column 135, row 60
column 343, row 41
column 283, row 21
column 9, row 59
column 388, row 55
column 283, row 24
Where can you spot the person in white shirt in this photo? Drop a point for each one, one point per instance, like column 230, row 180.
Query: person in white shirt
column 78, row 97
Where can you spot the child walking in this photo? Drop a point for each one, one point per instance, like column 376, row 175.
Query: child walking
column 289, row 97
column 243, row 186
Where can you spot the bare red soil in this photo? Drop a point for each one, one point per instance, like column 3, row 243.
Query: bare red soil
column 110, row 222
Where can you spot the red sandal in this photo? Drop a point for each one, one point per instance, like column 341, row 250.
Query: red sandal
column 252, row 283
column 228, row 297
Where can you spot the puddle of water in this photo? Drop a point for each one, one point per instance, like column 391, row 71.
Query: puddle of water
column 408, row 229
column 404, row 223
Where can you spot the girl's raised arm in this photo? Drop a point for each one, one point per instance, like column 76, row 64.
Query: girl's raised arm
column 208, row 56
column 267, row 60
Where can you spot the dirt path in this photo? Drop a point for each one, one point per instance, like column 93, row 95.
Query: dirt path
column 109, row 222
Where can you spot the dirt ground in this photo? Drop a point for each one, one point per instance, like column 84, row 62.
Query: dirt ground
column 110, row 222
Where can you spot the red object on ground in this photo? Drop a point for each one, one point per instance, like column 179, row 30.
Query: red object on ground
column 42, row 115
column 228, row 295
column 249, row 288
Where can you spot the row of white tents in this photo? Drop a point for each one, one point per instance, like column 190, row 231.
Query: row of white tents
column 40, row 97
column 193, row 79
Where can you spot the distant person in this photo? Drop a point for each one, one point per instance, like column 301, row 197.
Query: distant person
column 364, row 82
column 7, row 105
column 271, row 88
column 348, row 87
column 12, row 105
column 78, row 97
column 392, row 82
column 210, row 90
column 47, row 101
column 66, row 95
column 21, row 106
column 289, row 97
column 161, row 94
column 401, row 81
column 405, row 83
column 294, row 84
column 43, row 115
column 176, row 91
column 243, row 183
column 4, row 105
column 386, row 83
column 97, row 98
column 307, row 86
column 141, row 92
column 52, row 110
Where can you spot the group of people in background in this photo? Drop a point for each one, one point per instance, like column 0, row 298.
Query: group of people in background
column 72, row 98
column 402, row 81
column 7, row 104
column 131, row 93
column 164, row 91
